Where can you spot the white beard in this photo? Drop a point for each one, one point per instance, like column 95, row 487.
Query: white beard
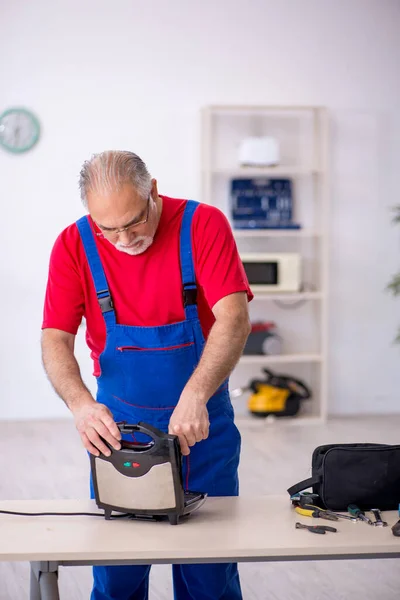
column 139, row 246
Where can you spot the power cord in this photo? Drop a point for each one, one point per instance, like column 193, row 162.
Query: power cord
column 42, row 514
column 130, row 516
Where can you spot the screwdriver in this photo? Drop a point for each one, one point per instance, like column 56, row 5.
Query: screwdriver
column 357, row 512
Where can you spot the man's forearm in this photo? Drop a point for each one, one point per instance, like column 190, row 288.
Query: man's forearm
column 63, row 372
column 221, row 353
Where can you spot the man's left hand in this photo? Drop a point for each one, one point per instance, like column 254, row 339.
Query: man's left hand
column 189, row 422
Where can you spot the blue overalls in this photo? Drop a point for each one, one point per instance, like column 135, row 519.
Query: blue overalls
column 143, row 372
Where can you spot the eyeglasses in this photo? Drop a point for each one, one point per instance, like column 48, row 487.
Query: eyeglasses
column 114, row 233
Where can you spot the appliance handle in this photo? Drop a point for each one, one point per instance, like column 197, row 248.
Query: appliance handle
column 305, row 392
column 155, row 434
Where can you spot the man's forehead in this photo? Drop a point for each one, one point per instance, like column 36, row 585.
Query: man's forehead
column 126, row 193
column 118, row 208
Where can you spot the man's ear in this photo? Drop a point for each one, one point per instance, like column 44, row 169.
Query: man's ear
column 154, row 190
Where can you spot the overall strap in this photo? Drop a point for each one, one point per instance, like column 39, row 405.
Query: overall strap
column 96, row 269
column 187, row 266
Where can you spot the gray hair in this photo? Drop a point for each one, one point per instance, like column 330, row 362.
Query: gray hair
column 109, row 171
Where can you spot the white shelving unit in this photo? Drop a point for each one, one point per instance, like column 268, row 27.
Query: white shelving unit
column 296, row 296
column 301, row 318
column 281, row 358
column 269, row 233
column 265, row 171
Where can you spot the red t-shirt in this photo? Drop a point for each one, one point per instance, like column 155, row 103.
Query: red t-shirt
column 146, row 289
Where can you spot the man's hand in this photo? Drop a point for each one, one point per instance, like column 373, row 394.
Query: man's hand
column 93, row 420
column 189, row 422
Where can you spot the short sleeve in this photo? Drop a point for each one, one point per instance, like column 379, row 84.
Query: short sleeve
column 219, row 269
column 64, row 299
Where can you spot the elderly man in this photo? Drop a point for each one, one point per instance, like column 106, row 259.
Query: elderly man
column 164, row 294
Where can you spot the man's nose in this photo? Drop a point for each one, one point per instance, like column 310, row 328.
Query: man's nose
column 125, row 237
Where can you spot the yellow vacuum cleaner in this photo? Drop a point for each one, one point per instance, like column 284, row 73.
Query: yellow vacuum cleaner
column 278, row 395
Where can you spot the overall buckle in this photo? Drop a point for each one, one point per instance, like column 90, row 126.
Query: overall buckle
column 106, row 303
column 189, row 294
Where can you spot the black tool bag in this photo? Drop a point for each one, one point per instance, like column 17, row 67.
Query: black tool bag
column 364, row 474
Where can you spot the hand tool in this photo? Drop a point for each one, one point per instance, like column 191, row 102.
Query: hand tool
column 396, row 527
column 316, row 513
column 358, row 513
column 316, row 528
column 330, row 512
column 378, row 519
column 309, row 498
column 303, row 498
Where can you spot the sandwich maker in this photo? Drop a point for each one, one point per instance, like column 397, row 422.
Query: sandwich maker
column 143, row 479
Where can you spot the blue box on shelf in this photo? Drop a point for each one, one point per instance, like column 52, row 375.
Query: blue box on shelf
column 262, row 203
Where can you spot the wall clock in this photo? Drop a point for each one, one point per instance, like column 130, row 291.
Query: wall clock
column 19, row 130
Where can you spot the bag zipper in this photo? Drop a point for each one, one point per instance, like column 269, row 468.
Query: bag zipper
column 139, row 349
column 323, row 450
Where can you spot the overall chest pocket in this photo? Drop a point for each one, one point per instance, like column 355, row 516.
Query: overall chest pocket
column 154, row 377
column 140, row 349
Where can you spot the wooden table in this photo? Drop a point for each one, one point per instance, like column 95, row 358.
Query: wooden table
column 223, row 530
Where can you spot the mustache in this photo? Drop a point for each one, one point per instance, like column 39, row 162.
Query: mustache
column 137, row 240
column 139, row 246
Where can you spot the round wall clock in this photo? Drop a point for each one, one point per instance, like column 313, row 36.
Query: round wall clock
column 19, row 130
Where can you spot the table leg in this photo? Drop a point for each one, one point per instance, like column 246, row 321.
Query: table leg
column 49, row 586
column 34, row 585
column 44, row 581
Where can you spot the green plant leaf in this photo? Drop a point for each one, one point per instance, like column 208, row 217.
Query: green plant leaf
column 396, row 218
column 394, row 286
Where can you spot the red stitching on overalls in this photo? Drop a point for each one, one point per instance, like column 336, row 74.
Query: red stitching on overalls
column 139, row 349
column 144, row 407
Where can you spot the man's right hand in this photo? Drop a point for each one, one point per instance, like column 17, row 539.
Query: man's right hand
column 93, row 420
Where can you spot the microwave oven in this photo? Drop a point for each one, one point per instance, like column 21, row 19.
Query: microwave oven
column 266, row 272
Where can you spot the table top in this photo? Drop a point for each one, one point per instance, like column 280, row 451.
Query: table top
column 223, row 529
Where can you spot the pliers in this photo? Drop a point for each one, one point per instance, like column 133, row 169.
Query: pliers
column 316, row 528
column 314, row 511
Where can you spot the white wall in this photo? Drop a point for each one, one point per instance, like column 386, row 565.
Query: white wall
column 134, row 75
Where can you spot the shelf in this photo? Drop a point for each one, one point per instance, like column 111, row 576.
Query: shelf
column 252, row 422
column 288, row 296
column 279, row 171
column 276, row 233
column 229, row 109
column 280, row 358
